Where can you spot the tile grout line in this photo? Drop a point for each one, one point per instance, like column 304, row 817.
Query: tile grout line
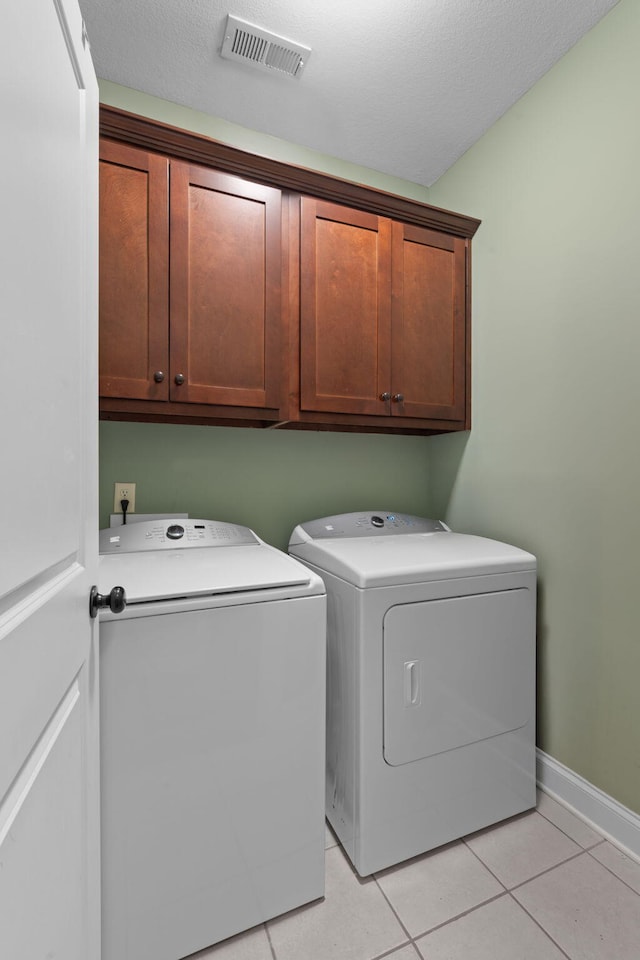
column 568, row 835
column 270, row 942
column 539, row 925
column 391, row 907
column 411, row 941
column 509, row 890
column 373, row 878
column 459, row 916
column 535, row 876
column 450, row 919
column 390, row 953
column 561, row 863
column 484, row 865
column 608, row 869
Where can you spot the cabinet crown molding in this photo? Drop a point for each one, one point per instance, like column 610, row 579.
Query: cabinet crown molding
column 196, row 148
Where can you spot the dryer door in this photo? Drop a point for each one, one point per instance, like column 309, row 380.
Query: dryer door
column 456, row 671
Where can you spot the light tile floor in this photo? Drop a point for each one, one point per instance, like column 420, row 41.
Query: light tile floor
column 542, row 886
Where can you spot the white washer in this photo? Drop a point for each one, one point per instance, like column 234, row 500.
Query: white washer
column 212, row 687
column 430, row 681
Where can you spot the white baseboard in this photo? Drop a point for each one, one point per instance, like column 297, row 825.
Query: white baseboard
column 602, row 812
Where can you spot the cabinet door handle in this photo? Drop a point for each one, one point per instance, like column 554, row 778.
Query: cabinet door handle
column 385, row 396
column 179, row 379
column 398, row 397
column 158, row 376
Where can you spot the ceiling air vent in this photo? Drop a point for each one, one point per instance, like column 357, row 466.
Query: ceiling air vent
column 250, row 44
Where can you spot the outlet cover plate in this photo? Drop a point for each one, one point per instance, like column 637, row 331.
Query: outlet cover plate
column 124, row 491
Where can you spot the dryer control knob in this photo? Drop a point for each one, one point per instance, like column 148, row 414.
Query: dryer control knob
column 377, row 522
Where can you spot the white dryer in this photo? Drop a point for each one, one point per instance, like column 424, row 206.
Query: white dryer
column 430, row 681
column 212, row 685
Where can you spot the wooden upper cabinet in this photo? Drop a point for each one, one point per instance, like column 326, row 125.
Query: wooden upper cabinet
column 345, row 286
column 209, row 256
column 226, row 267
column 134, row 273
column 428, row 330
column 382, row 307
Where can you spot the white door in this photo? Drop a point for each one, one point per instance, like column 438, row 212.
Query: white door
column 49, row 838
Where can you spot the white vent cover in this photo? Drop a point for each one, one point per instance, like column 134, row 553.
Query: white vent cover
column 250, row 44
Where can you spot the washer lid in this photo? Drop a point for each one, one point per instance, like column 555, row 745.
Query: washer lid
column 169, row 574
column 413, row 558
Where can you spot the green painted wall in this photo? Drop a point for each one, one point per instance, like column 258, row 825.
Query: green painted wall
column 552, row 462
column 267, row 479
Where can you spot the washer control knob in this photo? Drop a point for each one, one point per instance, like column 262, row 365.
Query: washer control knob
column 377, row 522
column 175, row 531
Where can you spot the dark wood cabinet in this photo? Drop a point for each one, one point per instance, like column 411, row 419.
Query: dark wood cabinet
column 428, row 324
column 237, row 289
column 345, row 309
column 226, row 266
column 382, row 317
column 134, row 273
column 190, row 291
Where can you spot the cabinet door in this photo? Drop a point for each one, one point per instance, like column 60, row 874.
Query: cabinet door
column 134, row 266
column 225, row 301
column 345, row 309
column 428, row 324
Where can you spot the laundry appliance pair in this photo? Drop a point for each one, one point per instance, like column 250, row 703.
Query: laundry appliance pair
column 213, row 712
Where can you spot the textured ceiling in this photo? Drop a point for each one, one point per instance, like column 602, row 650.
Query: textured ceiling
column 403, row 87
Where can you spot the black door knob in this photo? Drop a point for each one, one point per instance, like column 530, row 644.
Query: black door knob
column 116, row 600
column 179, row 378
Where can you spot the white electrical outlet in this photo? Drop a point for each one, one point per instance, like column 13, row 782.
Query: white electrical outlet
column 124, row 491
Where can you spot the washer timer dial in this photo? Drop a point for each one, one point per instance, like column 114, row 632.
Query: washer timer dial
column 175, row 531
